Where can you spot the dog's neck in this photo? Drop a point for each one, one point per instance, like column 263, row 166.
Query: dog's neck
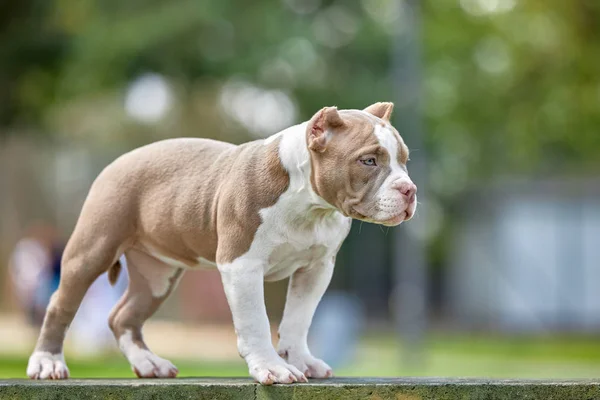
column 295, row 158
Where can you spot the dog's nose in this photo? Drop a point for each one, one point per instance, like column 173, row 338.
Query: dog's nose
column 408, row 190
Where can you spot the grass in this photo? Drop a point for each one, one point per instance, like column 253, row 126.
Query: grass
column 117, row 367
column 487, row 356
column 380, row 355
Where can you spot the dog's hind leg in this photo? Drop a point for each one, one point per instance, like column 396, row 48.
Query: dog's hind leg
column 150, row 283
column 87, row 255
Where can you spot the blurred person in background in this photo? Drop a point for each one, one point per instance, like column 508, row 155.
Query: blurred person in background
column 35, row 269
column 89, row 331
column 35, row 273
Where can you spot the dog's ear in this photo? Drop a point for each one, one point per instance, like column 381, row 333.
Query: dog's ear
column 320, row 125
column 381, row 110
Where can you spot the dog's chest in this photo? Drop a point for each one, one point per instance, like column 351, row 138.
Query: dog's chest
column 286, row 258
column 292, row 243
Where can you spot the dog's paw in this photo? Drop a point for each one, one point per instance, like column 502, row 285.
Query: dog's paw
column 268, row 373
column 44, row 365
column 305, row 362
column 146, row 364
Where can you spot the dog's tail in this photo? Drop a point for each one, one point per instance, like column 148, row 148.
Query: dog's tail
column 113, row 272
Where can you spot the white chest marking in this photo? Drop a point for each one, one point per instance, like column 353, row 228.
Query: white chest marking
column 285, row 259
column 301, row 228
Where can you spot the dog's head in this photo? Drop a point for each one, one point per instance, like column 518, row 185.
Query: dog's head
column 358, row 164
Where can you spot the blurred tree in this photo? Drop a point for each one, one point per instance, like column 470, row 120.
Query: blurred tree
column 31, row 56
column 510, row 86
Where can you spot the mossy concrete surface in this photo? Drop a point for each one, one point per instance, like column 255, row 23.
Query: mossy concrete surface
column 338, row 388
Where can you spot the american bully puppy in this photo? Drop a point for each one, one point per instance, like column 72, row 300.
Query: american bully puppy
column 261, row 211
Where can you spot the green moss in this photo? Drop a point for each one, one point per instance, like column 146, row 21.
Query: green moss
column 426, row 389
column 339, row 388
column 125, row 389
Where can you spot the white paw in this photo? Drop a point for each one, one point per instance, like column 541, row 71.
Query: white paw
column 276, row 371
column 305, row 362
column 143, row 362
column 44, row 365
column 146, row 364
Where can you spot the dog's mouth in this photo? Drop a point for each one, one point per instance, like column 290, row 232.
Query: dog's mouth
column 397, row 220
column 393, row 221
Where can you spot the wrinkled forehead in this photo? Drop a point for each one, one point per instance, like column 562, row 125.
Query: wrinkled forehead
column 366, row 130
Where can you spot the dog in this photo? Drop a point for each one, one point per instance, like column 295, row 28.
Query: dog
column 262, row 211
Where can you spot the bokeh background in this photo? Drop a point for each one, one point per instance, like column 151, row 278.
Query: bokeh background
column 499, row 101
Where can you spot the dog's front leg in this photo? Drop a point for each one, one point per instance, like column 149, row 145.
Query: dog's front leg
column 244, row 287
column 305, row 290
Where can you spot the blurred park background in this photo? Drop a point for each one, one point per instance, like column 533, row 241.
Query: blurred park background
column 499, row 101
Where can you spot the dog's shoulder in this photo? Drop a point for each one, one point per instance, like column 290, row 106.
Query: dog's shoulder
column 256, row 181
column 256, row 177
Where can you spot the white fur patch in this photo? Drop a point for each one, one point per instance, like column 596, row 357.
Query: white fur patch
column 158, row 275
column 143, row 361
column 295, row 158
column 388, row 140
column 167, row 260
column 286, row 222
column 390, row 201
column 176, row 263
column 160, row 281
column 204, row 261
column 45, row 365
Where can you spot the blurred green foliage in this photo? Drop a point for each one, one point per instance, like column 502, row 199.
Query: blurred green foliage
column 510, row 91
column 507, row 91
column 516, row 91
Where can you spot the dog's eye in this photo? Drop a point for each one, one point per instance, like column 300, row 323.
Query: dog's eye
column 370, row 162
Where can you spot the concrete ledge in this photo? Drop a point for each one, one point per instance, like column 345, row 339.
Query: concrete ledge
column 338, row 388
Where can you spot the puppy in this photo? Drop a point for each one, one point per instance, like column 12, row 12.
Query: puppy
column 261, row 211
